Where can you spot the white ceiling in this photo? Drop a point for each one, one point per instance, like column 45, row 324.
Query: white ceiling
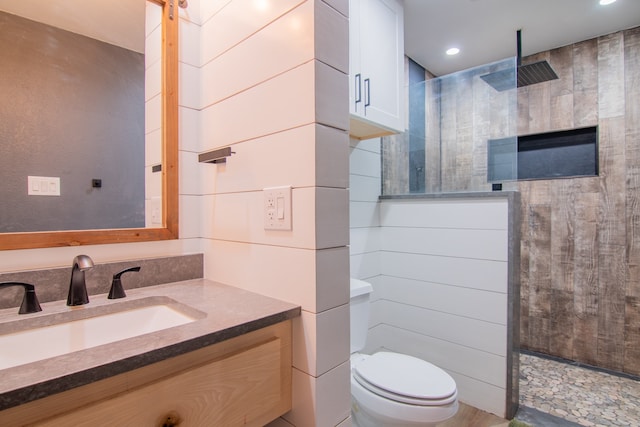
column 118, row 22
column 485, row 30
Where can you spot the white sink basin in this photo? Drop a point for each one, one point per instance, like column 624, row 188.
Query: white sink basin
column 43, row 342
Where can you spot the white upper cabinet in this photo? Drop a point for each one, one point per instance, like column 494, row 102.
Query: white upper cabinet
column 376, row 38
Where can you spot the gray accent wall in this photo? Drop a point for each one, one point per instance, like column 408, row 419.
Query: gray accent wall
column 70, row 107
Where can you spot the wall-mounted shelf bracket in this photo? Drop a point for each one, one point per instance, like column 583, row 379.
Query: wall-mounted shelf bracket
column 182, row 3
column 171, row 5
column 216, row 156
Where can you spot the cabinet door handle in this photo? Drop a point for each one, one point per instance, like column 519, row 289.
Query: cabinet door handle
column 358, row 88
column 367, row 93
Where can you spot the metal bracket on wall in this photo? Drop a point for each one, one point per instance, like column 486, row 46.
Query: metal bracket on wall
column 216, row 156
column 182, row 3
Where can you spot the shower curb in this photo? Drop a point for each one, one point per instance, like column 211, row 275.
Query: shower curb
column 537, row 418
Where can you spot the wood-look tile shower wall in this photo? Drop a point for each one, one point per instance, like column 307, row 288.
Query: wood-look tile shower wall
column 580, row 250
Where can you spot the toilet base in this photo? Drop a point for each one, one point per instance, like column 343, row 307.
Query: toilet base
column 360, row 418
column 370, row 410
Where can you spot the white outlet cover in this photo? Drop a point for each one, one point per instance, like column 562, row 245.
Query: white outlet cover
column 277, row 208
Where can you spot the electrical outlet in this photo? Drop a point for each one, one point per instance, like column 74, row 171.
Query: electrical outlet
column 277, row 208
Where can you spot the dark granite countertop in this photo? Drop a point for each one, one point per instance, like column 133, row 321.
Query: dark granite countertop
column 221, row 312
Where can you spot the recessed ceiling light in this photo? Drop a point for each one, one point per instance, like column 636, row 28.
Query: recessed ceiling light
column 606, row 2
column 453, row 51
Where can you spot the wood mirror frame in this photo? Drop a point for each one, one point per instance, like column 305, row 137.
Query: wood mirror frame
column 169, row 229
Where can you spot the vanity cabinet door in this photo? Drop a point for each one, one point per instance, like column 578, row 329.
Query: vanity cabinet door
column 376, row 38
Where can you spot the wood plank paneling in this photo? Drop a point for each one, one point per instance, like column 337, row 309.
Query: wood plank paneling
column 480, row 128
column 585, row 83
column 611, row 75
column 632, row 336
column 462, row 113
column 447, row 121
column 561, row 323
column 539, row 101
column 395, row 170
column 632, row 158
column 611, row 307
column 561, row 90
column 585, row 307
column 585, row 294
column 463, row 133
column 539, row 218
column 580, row 237
column 433, row 153
column 524, row 263
column 523, row 111
column 563, row 241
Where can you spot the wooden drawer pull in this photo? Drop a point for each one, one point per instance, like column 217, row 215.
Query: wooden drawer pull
column 172, row 419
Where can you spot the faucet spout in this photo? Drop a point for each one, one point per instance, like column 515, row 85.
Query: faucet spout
column 78, row 287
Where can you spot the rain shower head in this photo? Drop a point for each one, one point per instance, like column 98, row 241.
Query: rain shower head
column 528, row 74
column 537, row 72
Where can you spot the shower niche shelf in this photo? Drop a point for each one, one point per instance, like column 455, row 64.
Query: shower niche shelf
column 559, row 154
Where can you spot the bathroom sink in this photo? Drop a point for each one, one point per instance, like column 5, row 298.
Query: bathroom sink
column 61, row 336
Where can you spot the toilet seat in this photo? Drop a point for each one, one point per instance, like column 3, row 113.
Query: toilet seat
column 405, row 379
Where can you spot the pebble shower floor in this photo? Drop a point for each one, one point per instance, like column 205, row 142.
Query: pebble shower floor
column 584, row 396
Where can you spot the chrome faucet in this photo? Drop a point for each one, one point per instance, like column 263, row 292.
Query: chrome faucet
column 78, row 287
column 30, row 302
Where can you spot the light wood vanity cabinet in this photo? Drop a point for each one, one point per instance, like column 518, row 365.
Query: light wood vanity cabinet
column 242, row 381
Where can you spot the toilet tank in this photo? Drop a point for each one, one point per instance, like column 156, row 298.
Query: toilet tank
column 359, row 310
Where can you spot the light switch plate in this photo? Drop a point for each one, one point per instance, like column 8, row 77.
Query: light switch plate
column 277, row 208
column 43, row 186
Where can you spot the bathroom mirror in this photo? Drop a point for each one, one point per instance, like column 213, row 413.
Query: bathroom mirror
column 164, row 206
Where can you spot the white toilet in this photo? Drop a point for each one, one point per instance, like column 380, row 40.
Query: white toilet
column 392, row 389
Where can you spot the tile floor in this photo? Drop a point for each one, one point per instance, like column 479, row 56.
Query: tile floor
column 581, row 396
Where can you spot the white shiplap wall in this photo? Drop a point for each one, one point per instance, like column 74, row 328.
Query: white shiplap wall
column 364, row 209
column 439, row 268
column 274, row 87
column 442, row 294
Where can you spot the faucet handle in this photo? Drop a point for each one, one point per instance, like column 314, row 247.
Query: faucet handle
column 117, row 291
column 30, row 303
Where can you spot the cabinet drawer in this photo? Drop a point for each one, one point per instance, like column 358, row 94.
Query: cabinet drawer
column 232, row 391
column 243, row 381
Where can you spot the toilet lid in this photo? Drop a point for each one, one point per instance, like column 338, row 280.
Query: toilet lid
column 406, row 379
